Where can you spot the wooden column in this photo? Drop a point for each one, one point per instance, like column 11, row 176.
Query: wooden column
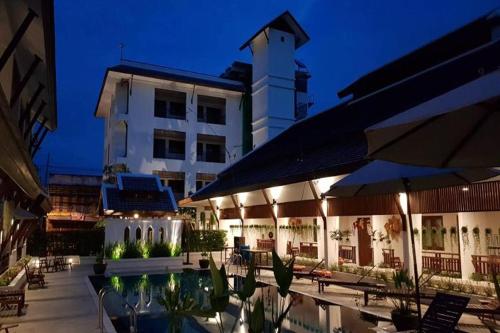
column 273, row 216
column 317, row 199
column 212, row 208
column 235, row 203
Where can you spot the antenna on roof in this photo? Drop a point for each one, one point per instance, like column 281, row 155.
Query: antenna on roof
column 121, row 46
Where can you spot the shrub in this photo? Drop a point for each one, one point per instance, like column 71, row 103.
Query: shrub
column 205, row 240
column 159, row 250
column 132, row 250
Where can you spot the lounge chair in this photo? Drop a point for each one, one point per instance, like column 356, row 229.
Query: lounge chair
column 10, row 297
column 382, row 292
column 5, row 328
column 34, row 278
column 299, row 271
column 367, row 286
column 444, row 313
column 484, row 311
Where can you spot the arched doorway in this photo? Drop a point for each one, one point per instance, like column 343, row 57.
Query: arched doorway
column 138, row 234
column 126, row 235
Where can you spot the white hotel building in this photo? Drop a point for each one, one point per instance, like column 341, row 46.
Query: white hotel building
column 187, row 127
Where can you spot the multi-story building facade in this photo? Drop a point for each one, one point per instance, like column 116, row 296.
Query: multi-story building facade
column 74, row 199
column 187, row 127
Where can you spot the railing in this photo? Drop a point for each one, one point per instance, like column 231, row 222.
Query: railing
column 484, row 263
column 348, row 253
column 441, row 262
column 265, row 244
column 308, row 249
column 132, row 312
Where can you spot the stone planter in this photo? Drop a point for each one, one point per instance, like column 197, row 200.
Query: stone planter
column 99, row 268
column 204, row 263
column 141, row 265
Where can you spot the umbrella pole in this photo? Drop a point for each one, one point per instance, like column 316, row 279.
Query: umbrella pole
column 414, row 254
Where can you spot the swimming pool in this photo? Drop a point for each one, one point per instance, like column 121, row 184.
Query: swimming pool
column 143, row 291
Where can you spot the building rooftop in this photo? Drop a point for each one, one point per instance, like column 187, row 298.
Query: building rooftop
column 284, row 22
column 466, row 38
column 163, row 73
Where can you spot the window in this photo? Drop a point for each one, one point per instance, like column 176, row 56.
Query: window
column 170, row 104
column 432, row 236
column 169, row 144
column 203, row 179
column 211, row 110
column 150, row 235
column 211, row 148
column 138, row 234
column 174, row 180
column 126, row 235
column 162, row 235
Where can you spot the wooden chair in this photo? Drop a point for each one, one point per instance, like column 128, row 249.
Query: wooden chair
column 5, row 328
column 34, row 278
column 390, row 260
column 291, row 250
column 11, row 297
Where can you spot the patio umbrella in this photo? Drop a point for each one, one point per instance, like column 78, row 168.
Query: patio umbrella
column 458, row 129
column 380, row 177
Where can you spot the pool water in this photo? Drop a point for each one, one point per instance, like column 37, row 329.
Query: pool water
column 143, row 291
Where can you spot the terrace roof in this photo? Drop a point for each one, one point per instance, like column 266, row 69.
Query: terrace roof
column 333, row 142
column 466, row 38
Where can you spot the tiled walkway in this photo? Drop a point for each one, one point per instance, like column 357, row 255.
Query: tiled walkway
column 64, row 306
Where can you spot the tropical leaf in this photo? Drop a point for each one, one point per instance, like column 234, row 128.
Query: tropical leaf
column 257, row 318
column 217, row 278
column 283, row 274
column 250, row 284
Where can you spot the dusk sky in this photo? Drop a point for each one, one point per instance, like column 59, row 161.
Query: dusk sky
column 348, row 39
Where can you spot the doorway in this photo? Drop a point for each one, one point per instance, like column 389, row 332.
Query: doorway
column 365, row 250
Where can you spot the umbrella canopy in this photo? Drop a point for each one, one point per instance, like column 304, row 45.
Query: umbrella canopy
column 457, row 129
column 381, row 177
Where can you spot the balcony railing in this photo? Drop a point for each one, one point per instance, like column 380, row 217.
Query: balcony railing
column 347, row 253
column 483, row 264
column 441, row 262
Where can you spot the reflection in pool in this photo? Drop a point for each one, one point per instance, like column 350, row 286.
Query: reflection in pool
column 143, row 292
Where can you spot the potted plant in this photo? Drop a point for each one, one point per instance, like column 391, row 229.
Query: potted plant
column 204, row 262
column 100, row 265
column 402, row 315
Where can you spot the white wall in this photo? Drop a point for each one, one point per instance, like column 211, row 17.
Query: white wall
column 141, row 124
column 115, row 229
column 273, row 87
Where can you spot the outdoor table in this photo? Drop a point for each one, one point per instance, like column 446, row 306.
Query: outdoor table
column 258, row 252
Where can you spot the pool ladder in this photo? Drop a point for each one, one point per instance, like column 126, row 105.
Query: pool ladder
column 132, row 313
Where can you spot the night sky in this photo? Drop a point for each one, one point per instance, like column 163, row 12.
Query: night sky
column 348, row 39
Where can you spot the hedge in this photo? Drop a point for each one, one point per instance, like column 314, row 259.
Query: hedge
column 205, row 240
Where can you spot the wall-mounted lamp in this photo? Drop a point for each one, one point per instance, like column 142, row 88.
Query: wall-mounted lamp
column 217, row 208
column 465, row 188
column 136, row 216
column 241, row 205
column 274, row 202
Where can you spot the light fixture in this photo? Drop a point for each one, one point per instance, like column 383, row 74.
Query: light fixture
column 465, row 188
column 169, row 218
column 274, row 202
column 136, row 216
column 241, row 205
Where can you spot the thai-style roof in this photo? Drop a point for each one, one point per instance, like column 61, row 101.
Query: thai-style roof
column 137, row 193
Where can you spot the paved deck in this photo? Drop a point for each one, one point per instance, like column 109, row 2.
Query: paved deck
column 65, row 305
